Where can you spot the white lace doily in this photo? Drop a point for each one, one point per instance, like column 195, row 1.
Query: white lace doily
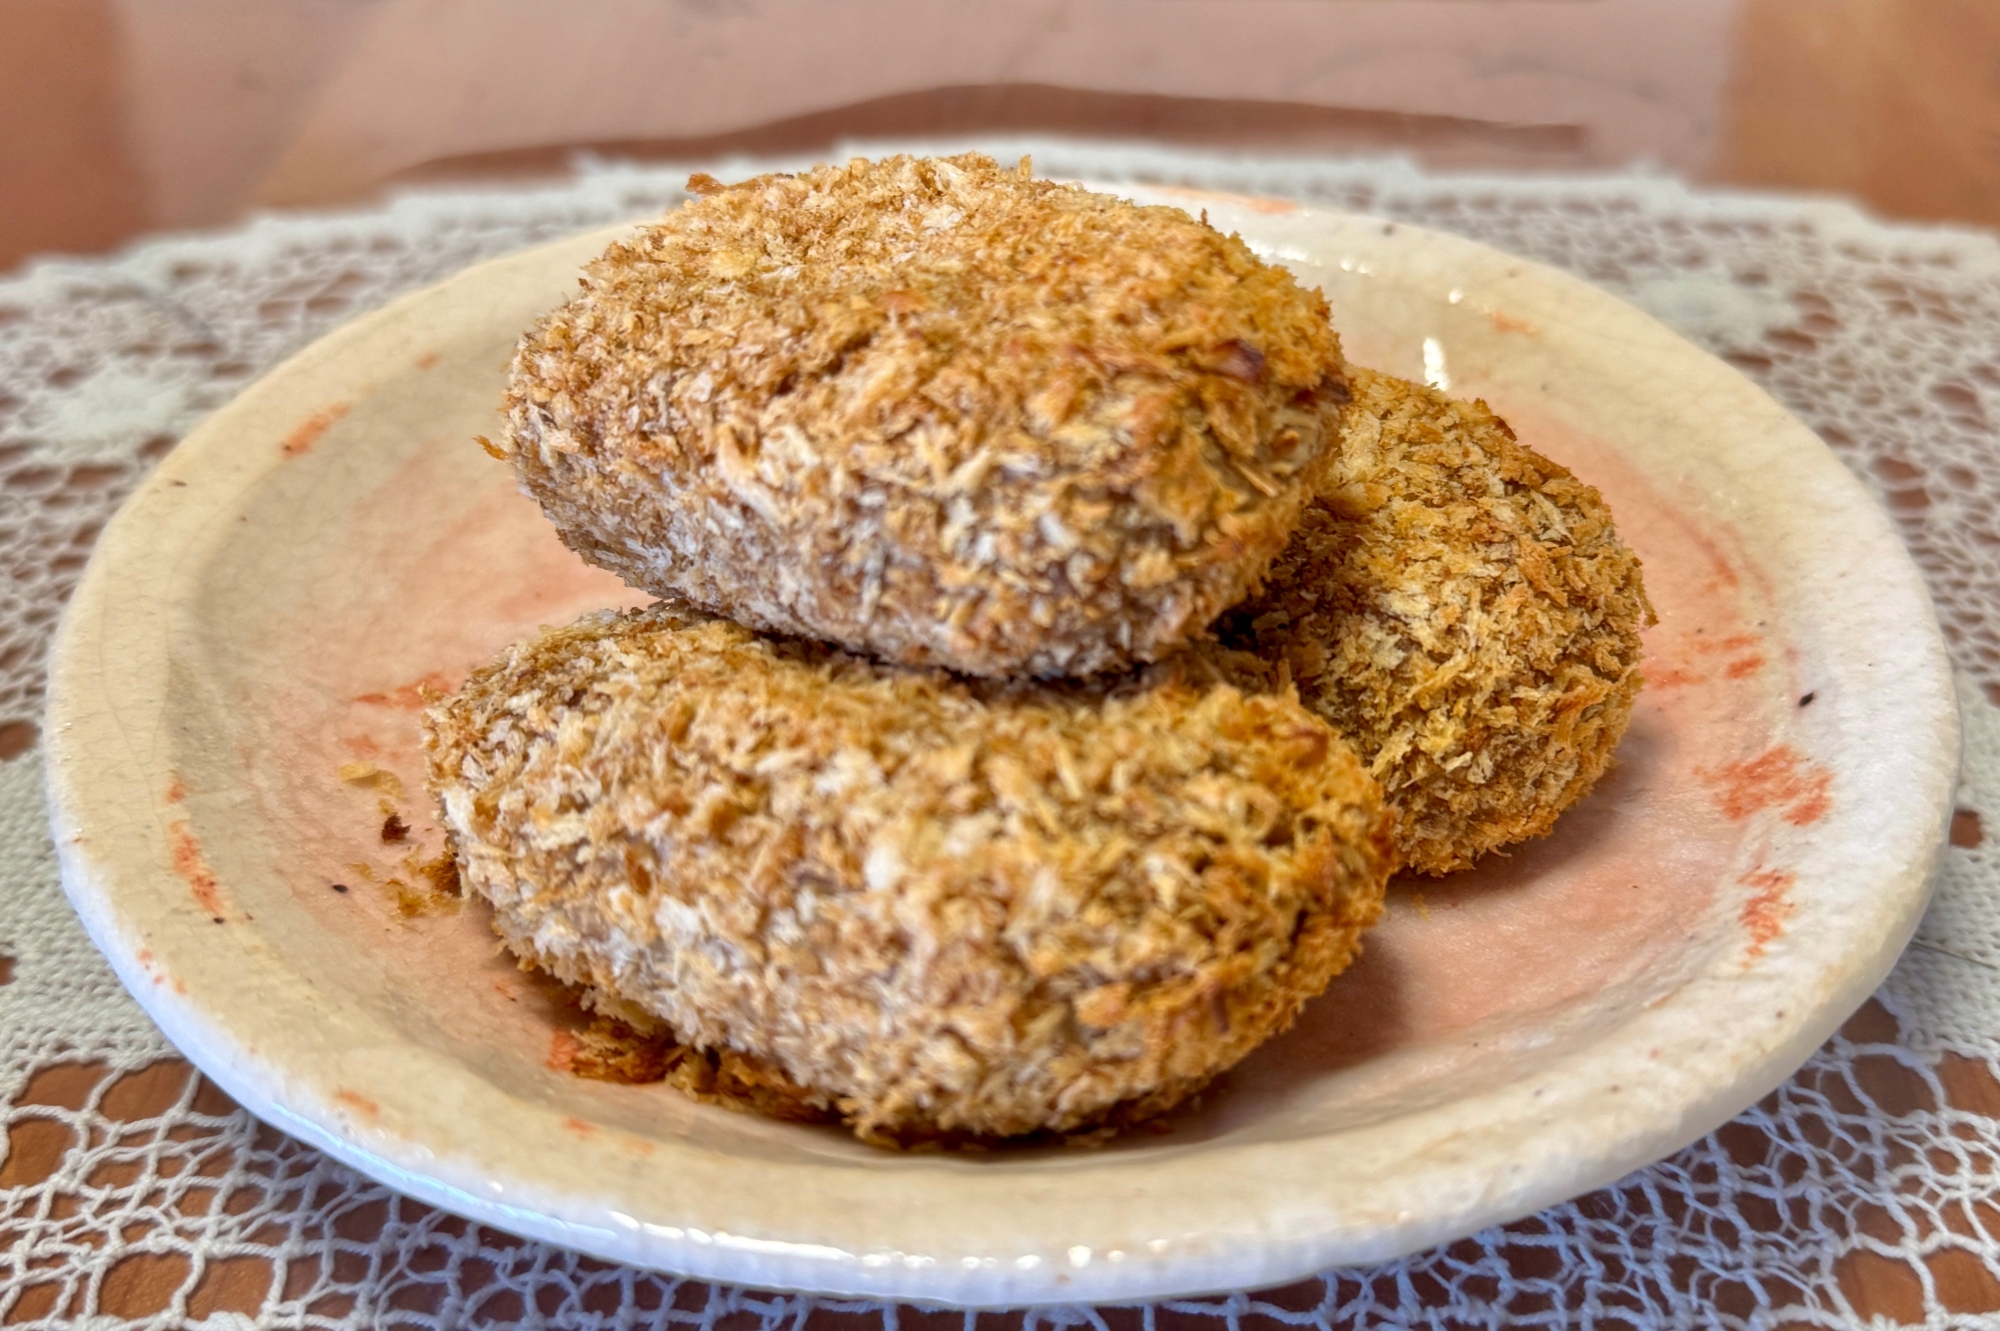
column 1871, row 1180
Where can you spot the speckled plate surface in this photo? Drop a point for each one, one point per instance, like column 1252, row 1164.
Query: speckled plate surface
column 232, row 717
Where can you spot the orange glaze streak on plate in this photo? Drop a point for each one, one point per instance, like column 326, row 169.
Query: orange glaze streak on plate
column 1510, row 323
column 1776, row 778
column 428, row 360
column 359, row 1103
column 1663, row 673
column 176, row 792
column 579, row 1127
column 312, row 427
column 410, row 697
column 1765, row 913
column 192, row 865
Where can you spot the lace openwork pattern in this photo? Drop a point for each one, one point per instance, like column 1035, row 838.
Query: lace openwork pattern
column 1871, row 1179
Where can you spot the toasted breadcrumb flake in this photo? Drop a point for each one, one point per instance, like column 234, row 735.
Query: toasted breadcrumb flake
column 932, row 410
column 935, row 908
column 1462, row 610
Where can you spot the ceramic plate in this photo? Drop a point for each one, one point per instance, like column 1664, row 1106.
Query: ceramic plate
column 233, row 715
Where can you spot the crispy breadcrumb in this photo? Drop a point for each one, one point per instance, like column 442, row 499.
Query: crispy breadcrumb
column 931, row 410
column 942, row 908
column 641, row 1051
column 1462, row 610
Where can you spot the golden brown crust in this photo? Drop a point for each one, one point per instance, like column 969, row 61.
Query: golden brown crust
column 635, row 1050
column 934, row 411
column 1462, row 609
column 951, row 908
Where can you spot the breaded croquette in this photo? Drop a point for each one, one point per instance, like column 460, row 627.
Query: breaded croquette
column 1462, row 610
column 933, row 411
column 935, row 908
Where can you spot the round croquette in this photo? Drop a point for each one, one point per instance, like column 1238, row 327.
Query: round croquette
column 1461, row 609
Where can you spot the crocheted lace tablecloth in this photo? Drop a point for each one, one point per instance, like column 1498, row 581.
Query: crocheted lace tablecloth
column 1869, row 1181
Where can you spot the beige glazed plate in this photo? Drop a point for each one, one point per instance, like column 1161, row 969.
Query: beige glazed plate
column 233, row 717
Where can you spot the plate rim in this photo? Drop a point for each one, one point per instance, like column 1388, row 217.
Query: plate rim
column 1246, row 1251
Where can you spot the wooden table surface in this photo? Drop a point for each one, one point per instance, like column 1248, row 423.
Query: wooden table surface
column 119, row 117
column 124, row 117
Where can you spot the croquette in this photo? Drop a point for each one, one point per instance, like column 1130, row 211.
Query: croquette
column 1462, row 610
column 933, row 411
column 932, row 907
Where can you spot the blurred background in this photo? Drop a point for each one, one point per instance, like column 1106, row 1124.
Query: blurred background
column 120, row 117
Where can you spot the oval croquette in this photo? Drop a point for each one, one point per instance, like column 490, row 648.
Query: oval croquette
column 937, row 908
column 933, row 411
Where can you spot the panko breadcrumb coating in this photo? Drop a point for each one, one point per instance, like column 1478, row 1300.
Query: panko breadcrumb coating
column 933, row 411
column 1462, row 610
column 936, row 908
